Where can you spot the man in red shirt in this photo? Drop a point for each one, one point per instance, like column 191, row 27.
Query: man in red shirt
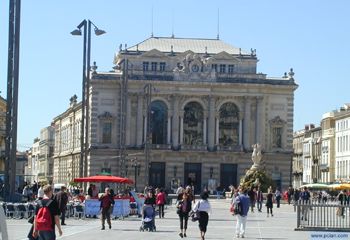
column 107, row 203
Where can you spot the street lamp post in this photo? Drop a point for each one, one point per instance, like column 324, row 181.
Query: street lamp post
column 12, row 99
column 136, row 166
column 148, row 138
column 86, row 26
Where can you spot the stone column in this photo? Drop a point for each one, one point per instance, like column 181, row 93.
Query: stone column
column 145, row 128
column 211, row 123
column 139, row 120
column 217, row 132
column 246, row 123
column 181, row 127
column 175, row 125
column 205, row 116
column 168, row 140
column 240, row 133
column 258, row 123
column 128, row 120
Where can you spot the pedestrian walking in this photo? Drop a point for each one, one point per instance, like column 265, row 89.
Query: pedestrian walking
column 150, row 199
column 204, row 208
column 278, row 197
column 342, row 201
column 62, row 199
column 259, row 199
column 183, row 208
column 242, row 209
column 252, row 197
column 305, row 200
column 160, row 200
column 296, row 198
column 269, row 203
column 190, row 194
column 46, row 217
column 40, row 192
column 233, row 201
column 107, row 203
column 290, row 194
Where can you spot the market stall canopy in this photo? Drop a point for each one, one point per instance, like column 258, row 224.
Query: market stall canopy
column 104, row 178
column 315, row 186
column 340, row 186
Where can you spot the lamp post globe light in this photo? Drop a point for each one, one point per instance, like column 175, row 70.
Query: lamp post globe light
column 85, row 27
column 135, row 163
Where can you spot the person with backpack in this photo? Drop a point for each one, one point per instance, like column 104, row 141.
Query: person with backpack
column 47, row 216
column 241, row 210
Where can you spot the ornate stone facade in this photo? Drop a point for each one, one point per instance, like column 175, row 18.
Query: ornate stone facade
column 208, row 107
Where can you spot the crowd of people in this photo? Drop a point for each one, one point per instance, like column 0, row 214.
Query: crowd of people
column 243, row 201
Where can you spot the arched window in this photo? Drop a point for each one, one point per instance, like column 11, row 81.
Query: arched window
column 193, row 124
column 159, row 121
column 229, row 125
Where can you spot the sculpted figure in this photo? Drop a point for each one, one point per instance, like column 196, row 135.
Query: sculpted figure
column 256, row 156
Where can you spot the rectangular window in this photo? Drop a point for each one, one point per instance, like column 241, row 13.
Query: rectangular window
column 222, row 68
column 214, row 67
column 231, row 68
column 154, row 66
column 162, row 66
column 145, row 66
column 107, row 132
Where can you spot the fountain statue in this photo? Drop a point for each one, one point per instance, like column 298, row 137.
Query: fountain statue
column 256, row 175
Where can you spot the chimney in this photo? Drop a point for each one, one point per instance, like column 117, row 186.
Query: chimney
column 306, row 127
column 312, row 126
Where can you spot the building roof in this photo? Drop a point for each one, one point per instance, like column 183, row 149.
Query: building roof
column 197, row 45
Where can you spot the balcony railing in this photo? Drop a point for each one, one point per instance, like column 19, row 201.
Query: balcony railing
column 194, row 147
column 161, row 146
column 237, row 148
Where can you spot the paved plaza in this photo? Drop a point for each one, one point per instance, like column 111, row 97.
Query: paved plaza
column 221, row 226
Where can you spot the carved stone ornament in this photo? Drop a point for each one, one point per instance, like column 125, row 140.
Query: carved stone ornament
column 106, row 116
column 277, row 121
column 194, row 67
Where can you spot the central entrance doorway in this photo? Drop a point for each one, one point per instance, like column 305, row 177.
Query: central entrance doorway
column 228, row 175
column 193, row 176
column 157, row 174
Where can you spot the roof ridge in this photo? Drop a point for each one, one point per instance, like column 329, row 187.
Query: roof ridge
column 189, row 38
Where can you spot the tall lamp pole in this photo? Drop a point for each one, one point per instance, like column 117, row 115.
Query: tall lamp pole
column 12, row 99
column 84, row 131
column 148, row 138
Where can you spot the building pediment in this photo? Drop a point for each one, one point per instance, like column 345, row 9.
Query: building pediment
column 225, row 56
column 154, row 53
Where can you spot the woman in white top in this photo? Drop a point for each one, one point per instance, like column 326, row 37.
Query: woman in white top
column 204, row 208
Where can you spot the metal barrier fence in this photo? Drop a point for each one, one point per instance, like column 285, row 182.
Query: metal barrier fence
column 323, row 216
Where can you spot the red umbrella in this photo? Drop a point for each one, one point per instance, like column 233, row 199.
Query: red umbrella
column 103, row 178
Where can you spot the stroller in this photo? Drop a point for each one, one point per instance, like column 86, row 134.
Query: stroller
column 148, row 215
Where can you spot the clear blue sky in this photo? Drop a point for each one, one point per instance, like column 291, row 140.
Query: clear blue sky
column 311, row 36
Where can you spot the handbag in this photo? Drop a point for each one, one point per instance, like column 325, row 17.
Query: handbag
column 232, row 209
column 178, row 211
column 195, row 215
